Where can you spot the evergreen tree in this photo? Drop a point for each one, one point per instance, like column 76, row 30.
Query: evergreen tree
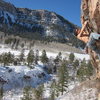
column 82, row 71
column 7, row 58
column 71, row 57
column 38, row 92
column 30, row 57
column 37, row 57
column 1, row 92
column 10, row 57
column 76, row 63
column 57, row 61
column 27, row 94
column 22, row 45
column 58, row 58
column 54, row 92
column 89, row 69
column 63, row 77
column 44, row 58
column 21, row 56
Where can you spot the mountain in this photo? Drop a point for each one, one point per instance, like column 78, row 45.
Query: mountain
column 36, row 24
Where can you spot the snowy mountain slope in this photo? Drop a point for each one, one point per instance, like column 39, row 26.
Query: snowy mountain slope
column 36, row 24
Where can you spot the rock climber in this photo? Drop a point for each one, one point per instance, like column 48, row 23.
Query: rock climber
column 89, row 38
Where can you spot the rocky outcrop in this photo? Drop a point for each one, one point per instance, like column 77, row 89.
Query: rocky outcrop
column 91, row 11
column 85, row 91
column 7, row 7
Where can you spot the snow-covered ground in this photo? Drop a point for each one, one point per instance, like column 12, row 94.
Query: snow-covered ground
column 80, row 56
column 21, row 76
column 5, row 48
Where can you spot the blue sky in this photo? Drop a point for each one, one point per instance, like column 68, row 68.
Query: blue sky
column 69, row 9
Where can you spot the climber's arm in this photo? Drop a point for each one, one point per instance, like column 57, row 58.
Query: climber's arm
column 84, row 26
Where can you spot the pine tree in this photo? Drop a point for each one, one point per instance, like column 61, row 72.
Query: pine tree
column 27, row 94
column 76, row 66
column 1, row 92
column 30, row 57
column 22, row 45
column 54, row 90
column 57, row 61
column 58, row 58
column 37, row 57
column 10, row 57
column 71, row 57
column 89, row 69
column 38, row 92
column 7, row 58
column 76, row 63
column 21, row 56
column 63, row 77
column 82, row 71
column 44, row 58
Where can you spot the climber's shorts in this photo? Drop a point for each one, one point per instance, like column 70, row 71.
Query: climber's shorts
column 92, row 42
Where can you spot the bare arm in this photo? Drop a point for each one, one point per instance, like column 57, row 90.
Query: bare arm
column 80, row 34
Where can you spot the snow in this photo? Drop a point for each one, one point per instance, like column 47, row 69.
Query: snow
column 5, row 48
column 11, row 16
column 16, row 76
column 47, row 90
column 80, row 56
column 6, row 14
column 13, row 95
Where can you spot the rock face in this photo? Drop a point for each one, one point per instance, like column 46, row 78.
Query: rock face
column 91, row 11
column 85, row 91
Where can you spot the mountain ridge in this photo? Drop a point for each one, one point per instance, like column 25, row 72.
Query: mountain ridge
column 36, row 24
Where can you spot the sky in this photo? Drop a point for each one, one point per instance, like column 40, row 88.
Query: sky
column 69, row 9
